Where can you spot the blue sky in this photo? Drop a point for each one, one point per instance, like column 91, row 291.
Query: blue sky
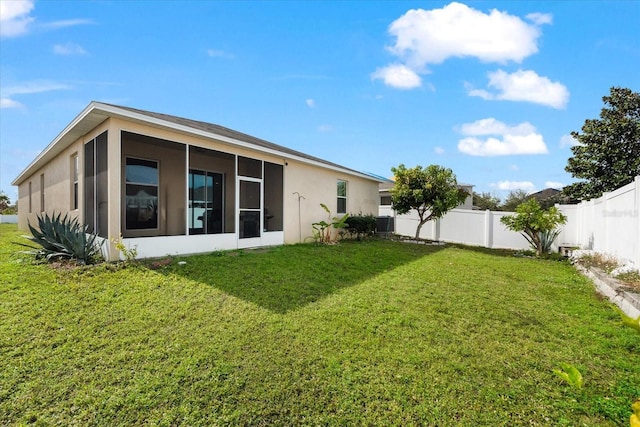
column 491, row 89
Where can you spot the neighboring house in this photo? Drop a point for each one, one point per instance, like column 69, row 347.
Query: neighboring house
column 549, row 197
column 170, row 185
column 385, row 187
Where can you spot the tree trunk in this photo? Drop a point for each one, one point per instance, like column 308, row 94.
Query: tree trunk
column 538, row 242
column 420, row 224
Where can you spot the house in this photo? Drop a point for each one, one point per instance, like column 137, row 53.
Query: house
column 549, row 197
column 170, row 185
column 385, row 186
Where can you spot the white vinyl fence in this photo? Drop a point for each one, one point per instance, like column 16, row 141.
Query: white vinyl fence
column 8, row 219
column 610, row 224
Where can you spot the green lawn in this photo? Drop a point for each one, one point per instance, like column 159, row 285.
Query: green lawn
column 372, row 333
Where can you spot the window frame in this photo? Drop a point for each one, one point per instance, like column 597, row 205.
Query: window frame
column 75, row 179
column 42, row 192
column 157, row 186
column 340, row 197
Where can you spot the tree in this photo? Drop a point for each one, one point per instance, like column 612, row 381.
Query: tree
column 432, row 191
column 513, row 200
column 534, row 223
column 607, row 155
column 6, row 207
column 486, row 201
column 5, row 202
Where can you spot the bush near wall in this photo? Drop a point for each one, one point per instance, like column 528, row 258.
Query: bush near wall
column 361, row 226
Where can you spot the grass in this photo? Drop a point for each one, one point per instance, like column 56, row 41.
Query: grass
column 371, row 333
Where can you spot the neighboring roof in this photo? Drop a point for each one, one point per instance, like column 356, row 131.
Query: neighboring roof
column 545, row 194
column 380, row 178
column 388, row 184
column 97, row 112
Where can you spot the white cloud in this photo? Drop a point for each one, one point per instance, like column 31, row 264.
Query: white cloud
column 68, row 49
column 514, row 185
column 540, row 18
column 9, row 103
column 501, row 139
column 66, row 23
column 456, row 30
column 424, row 37
column 524, row 86
column 14, row 17
column 398, row 76
column 568, row 141
column 514, row 167
column 35, row 86
column 553, row 184
column 439, row 150
column 217, row 53
column 310, row 103
column 325, row 128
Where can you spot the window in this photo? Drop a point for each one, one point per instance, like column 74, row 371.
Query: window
column 141, row 200
column 342, row 197
column 41, row 192
column 96, row 185
column 74, row 181
column 273, row 197
column 30, row 194
column 249, row 167
column 206, row 202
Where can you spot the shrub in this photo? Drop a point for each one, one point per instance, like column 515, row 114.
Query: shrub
column 64, row 238
column 361, row 226
column 537, row 225
column 322, row 230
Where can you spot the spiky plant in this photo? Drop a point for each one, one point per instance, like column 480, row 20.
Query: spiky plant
column 64, row 238
column 547, row 238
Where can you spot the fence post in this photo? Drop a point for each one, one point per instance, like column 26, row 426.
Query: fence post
column 636, row 215
column 488, row 229
column 436, row 230
column 605, row 220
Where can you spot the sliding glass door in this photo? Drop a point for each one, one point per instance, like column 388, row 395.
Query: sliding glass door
column 206, row 202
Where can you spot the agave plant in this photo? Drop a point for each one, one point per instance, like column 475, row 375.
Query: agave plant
column 64, row 238
column 547, row 238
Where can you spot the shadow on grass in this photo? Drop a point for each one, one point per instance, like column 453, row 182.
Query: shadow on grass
column 286, row 278
column 512, row 253
column 509, row 253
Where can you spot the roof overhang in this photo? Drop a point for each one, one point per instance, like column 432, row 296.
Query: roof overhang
column 96, row 113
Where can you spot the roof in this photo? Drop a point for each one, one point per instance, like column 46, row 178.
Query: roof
column 97, row 112
column 545, row 194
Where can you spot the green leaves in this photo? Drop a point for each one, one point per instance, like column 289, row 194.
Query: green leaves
column 570, row 374
column 322, row 229
column 536, row 224
column 64, row 238
column 628, row 321
column 432, row 191
column 608, row 154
